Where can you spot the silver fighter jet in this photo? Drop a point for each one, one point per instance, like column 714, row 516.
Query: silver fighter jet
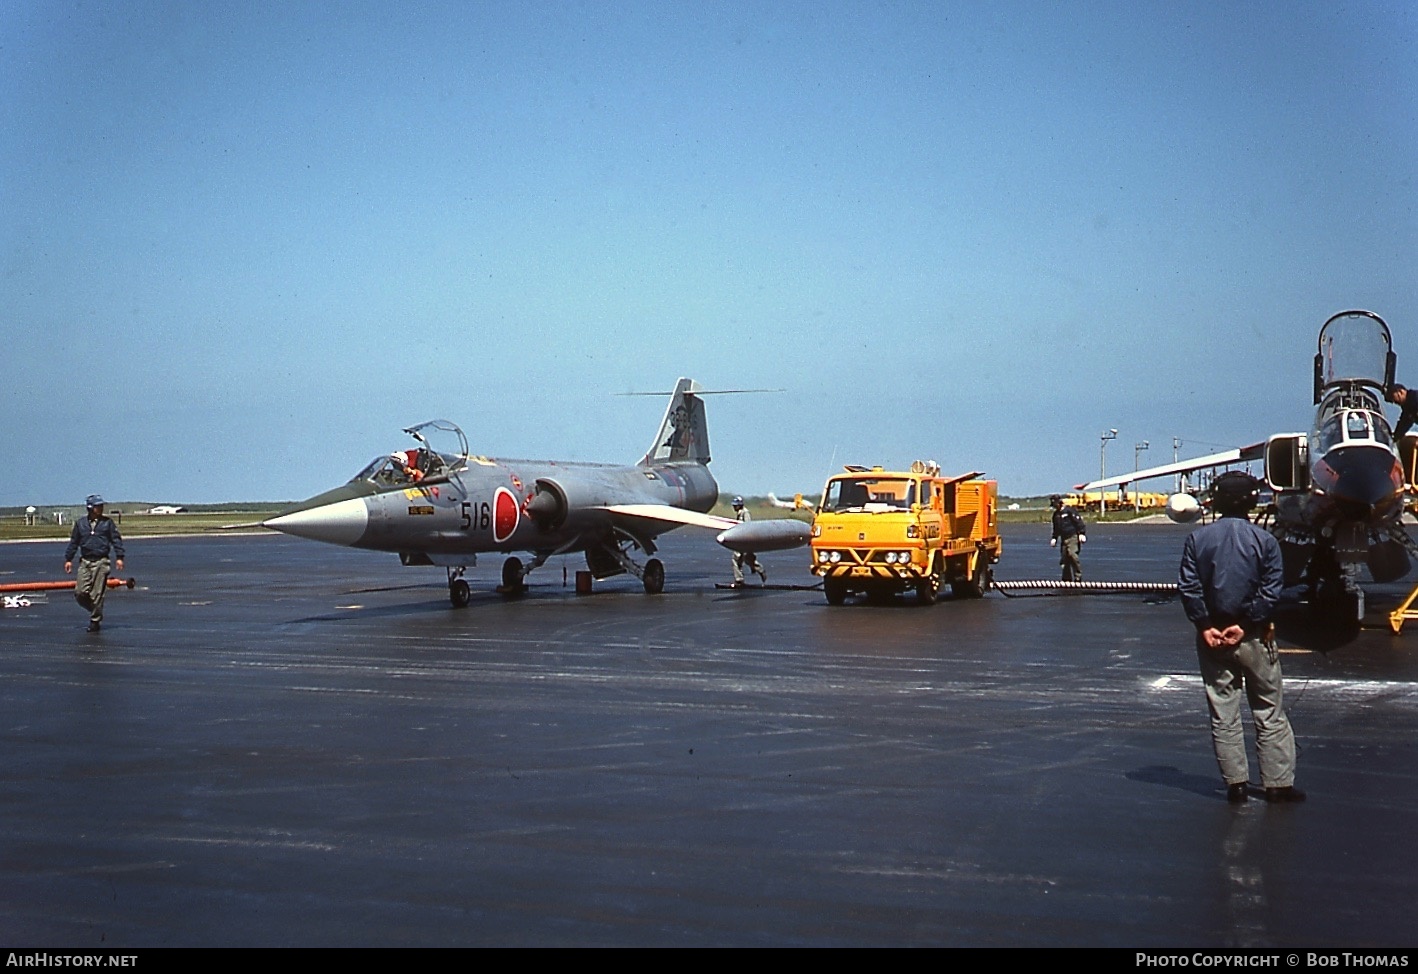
column 445, row 507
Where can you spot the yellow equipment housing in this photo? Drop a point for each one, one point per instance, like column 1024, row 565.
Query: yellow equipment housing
column 880, row 532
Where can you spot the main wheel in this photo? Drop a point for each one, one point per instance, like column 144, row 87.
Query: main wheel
column 835, row 589
column 512, row 583
column 458, row 593
column 654, row 577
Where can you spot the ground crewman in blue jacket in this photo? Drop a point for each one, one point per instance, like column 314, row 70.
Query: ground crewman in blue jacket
column 1230, row 580
column 94, row 537
column 1070, row 533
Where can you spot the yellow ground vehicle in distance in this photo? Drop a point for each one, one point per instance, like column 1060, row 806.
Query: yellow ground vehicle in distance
column 880, row 532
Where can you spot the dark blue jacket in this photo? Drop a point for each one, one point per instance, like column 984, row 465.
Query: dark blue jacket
column 1407, row 414
column 1067, row 523
column 1231, row 574
column 94, row 539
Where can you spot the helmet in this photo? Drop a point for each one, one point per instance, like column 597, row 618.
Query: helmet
column 93, row 500
column 1055, row 500
column 738, row 502
column 1235, row 490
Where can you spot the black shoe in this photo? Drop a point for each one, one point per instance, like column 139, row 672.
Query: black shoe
column 1237, row 793
column 93, row 627
column 1287, row 794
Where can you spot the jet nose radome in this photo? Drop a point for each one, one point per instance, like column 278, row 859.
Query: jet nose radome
column 1364, row 476
column 342, row 522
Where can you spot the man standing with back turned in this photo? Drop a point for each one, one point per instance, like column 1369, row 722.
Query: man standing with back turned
column 93, row 537
column 1230, row 579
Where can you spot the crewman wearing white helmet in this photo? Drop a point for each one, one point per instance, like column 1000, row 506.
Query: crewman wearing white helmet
column 748, row 558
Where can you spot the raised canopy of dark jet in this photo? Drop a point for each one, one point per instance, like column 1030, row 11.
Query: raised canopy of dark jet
column 1338, row 489
column 438, row 504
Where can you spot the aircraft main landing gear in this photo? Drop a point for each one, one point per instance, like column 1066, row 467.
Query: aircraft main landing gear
column 610, row 558
column 654, row 577
column 514, row 577
column 458, row 592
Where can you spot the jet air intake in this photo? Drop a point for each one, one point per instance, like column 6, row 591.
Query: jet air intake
column 558, row 502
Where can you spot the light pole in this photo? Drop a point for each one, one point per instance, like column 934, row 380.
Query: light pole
column 1176, row 445
column 1103, row 470
column 1136, row 452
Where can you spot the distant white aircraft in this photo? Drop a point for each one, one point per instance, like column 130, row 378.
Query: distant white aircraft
column 166, row 509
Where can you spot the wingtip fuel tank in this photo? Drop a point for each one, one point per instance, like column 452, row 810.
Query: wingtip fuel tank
column 756, row 536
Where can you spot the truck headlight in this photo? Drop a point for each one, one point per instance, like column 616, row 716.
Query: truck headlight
column 913, row 530
column 891, row 557
column 834, row 557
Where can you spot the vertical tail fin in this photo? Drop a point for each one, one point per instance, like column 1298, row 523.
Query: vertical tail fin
column 684, row 433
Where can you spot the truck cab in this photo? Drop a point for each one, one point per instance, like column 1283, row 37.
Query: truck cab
column 880, row 533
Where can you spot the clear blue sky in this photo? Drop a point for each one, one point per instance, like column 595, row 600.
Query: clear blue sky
column 243, row 244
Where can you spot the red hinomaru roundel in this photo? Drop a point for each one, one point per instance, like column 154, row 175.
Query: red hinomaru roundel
column 504, row 514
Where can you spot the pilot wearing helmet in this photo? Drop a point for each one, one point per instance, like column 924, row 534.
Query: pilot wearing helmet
column 1230, row 580
column 748, row 558
column 1069, row 535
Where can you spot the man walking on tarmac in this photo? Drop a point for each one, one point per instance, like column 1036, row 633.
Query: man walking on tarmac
column 748, row 558
column 94, row 537
column 1230, row 579
column 1069, row 536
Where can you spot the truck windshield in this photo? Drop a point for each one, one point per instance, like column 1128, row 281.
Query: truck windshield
column 869, row 493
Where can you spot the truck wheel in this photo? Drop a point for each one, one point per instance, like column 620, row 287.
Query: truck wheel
column 978, row 583
column 835, row 589
column 927, row 589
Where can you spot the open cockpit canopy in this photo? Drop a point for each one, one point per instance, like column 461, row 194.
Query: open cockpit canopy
column 442, row 451
column 1355, row 348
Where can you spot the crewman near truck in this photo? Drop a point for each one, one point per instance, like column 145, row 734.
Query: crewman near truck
column 748, row 558
column 1069, row 536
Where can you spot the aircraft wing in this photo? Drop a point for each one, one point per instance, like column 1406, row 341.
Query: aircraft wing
column 675, row 515
column 1242, row 455
column 770, row 534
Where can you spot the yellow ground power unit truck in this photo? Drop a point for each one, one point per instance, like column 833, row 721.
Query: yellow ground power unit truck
column 880, row 533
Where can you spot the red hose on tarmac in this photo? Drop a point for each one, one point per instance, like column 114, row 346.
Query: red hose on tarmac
column 54, row 586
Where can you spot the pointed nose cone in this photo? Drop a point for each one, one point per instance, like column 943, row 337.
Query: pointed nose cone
column 342, row 522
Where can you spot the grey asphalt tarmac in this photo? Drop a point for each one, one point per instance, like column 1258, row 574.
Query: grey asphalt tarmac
column 275, row 742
